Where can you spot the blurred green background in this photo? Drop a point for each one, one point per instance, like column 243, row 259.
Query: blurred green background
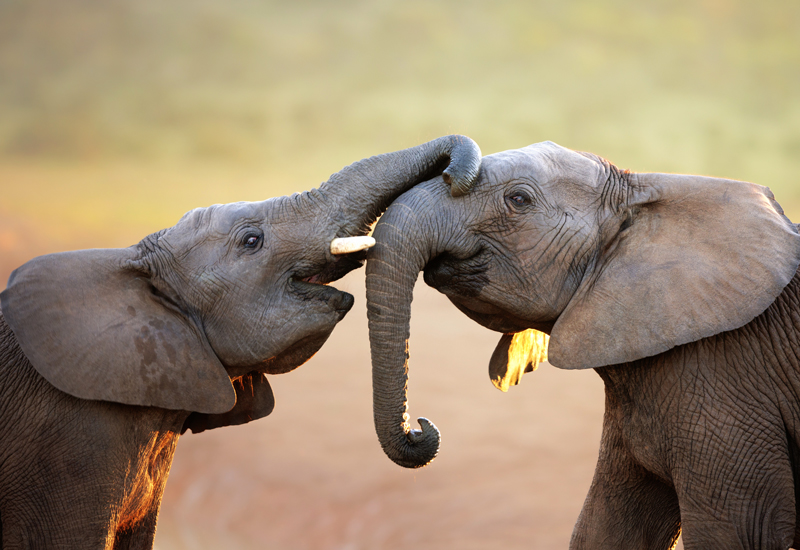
column 117, row 116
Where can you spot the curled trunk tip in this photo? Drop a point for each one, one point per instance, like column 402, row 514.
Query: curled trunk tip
column 414, row 448
column 359, row 193
column 465, row 164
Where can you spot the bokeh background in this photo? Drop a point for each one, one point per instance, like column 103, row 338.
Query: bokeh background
column 117, row 116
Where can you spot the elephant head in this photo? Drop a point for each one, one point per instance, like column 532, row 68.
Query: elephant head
column 228, row 293
column 613, row 265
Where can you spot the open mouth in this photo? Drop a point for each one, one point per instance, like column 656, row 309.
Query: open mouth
column 347, row 253
column 456, row 276
column 333, row 270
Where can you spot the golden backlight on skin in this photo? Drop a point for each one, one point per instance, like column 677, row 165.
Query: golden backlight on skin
column 512, row 359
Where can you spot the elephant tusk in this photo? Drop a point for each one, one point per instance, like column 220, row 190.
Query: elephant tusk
column 346, row 245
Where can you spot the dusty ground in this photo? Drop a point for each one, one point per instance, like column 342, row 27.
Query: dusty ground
column 512, row 472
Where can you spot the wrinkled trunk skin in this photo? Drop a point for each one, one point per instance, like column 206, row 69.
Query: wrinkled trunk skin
column 353, row 198
column 403, row 248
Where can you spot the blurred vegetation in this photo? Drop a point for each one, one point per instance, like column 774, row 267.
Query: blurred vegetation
column 171, row 105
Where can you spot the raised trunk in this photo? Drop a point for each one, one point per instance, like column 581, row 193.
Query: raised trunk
column 403, row 249
column 355, row 196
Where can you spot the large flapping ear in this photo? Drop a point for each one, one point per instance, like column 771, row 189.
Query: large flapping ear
column 699, row 256
column 254, row 400
column 93, row 326
column 516, row 354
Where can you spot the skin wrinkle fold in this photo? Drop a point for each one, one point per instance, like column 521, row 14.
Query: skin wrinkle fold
column 583, row 263
column 212, row 285
column 563, row 243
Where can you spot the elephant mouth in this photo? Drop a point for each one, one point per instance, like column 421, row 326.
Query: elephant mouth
column 463, row 281
column 340, row 301
column 313, row 283
column 458, row 276
column 333, row 270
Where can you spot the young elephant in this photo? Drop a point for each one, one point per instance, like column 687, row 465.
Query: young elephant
column 680, row 290
column 106, row 356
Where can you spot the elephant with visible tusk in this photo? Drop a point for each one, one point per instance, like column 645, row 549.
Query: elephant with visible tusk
column 681, row 291
column 107, row 356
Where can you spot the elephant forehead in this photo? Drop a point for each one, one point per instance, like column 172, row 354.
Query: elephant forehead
column 235, row 213
column 222, row 218
column 542, row 162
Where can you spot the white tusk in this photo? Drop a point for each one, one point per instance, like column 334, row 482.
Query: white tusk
column 346, row 245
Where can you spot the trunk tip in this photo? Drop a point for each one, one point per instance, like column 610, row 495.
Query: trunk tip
column 417, row 448
column 464, row 168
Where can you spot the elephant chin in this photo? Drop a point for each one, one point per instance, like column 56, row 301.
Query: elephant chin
column 295, row 355
column 496, row 319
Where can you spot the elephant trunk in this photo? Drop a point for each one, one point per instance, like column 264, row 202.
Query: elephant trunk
column 354, row 197
column 403, row 249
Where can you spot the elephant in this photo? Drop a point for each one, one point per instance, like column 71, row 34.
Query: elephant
column 107, row 356
column 681, row 291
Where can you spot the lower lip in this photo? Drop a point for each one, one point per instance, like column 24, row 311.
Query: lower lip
column 477, row 306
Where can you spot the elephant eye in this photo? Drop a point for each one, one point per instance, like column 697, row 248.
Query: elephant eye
column 251, row 240
column 518, row 199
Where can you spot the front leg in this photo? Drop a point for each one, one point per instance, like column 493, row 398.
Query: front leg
column 739, row 496
column 140, row 536
column 627, row 507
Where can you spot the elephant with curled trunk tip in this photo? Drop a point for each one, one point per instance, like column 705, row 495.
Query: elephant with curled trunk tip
column 681, row 291
column 106, row 356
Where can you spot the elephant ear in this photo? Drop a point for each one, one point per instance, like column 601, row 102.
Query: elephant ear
column 254, row 400
column 516, row 354
column 697, row 256
column 92, row 324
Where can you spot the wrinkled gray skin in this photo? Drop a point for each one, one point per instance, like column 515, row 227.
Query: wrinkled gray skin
column 680, row 290
column 106, row 356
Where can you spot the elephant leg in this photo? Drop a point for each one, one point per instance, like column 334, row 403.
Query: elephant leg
column 766, row 522
column 140, row 536
column 761, row 525
column 738, row 498
column 627, row 507
column 36, row 524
